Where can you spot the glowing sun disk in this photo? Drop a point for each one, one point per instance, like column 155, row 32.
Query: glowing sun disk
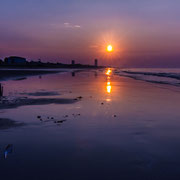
column 109, row 48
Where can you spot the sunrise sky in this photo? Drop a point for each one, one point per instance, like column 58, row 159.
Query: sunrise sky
column 143, row 33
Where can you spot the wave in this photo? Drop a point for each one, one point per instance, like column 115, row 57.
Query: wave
column 168, row 75
column 160, row 76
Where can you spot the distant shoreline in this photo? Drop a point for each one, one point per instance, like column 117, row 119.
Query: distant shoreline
column 17, row 74
column 21, row 62
column 49, row 67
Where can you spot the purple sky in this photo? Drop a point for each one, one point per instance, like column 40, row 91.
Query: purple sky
column 144, row 33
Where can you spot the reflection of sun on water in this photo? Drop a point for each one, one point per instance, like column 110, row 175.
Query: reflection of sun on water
column 108, row 87
column 108, row 84
column 108, row 72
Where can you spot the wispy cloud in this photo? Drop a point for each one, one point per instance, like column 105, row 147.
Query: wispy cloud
column 73, row 26
column 65, row 25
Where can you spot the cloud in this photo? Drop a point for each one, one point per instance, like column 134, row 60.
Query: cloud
column 73, row 26
column 77, row 26
column 65, row 25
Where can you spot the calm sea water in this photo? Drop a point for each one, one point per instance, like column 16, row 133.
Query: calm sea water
column 105, row 125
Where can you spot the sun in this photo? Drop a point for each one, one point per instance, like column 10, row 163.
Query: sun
column 109, row 48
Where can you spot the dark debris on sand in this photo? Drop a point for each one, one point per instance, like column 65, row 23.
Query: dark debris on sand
column 54, row 120
column 60, row 121
column 78, row 98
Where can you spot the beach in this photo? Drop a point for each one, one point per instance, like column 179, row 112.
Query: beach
column 20, row 74
column 95, row 124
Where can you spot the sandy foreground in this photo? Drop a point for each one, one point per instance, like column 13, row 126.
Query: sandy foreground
column 89, row 125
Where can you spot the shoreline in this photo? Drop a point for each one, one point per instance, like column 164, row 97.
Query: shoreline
column 48, row 66
column 18, row 74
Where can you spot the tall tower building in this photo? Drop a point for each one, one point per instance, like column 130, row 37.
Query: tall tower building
column 73, row 62
column 96, row 62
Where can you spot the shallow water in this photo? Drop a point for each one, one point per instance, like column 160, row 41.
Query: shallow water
column 154, row 75
column 108, row 127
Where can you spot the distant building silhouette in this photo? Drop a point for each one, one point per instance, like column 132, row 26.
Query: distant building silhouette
column 15, row 60
column 73, row 62
column 96, row 62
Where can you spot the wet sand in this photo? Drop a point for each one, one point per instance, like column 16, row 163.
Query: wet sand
column 102, row 127
column 21, row 74
column 8, row 104
column 8, row 123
